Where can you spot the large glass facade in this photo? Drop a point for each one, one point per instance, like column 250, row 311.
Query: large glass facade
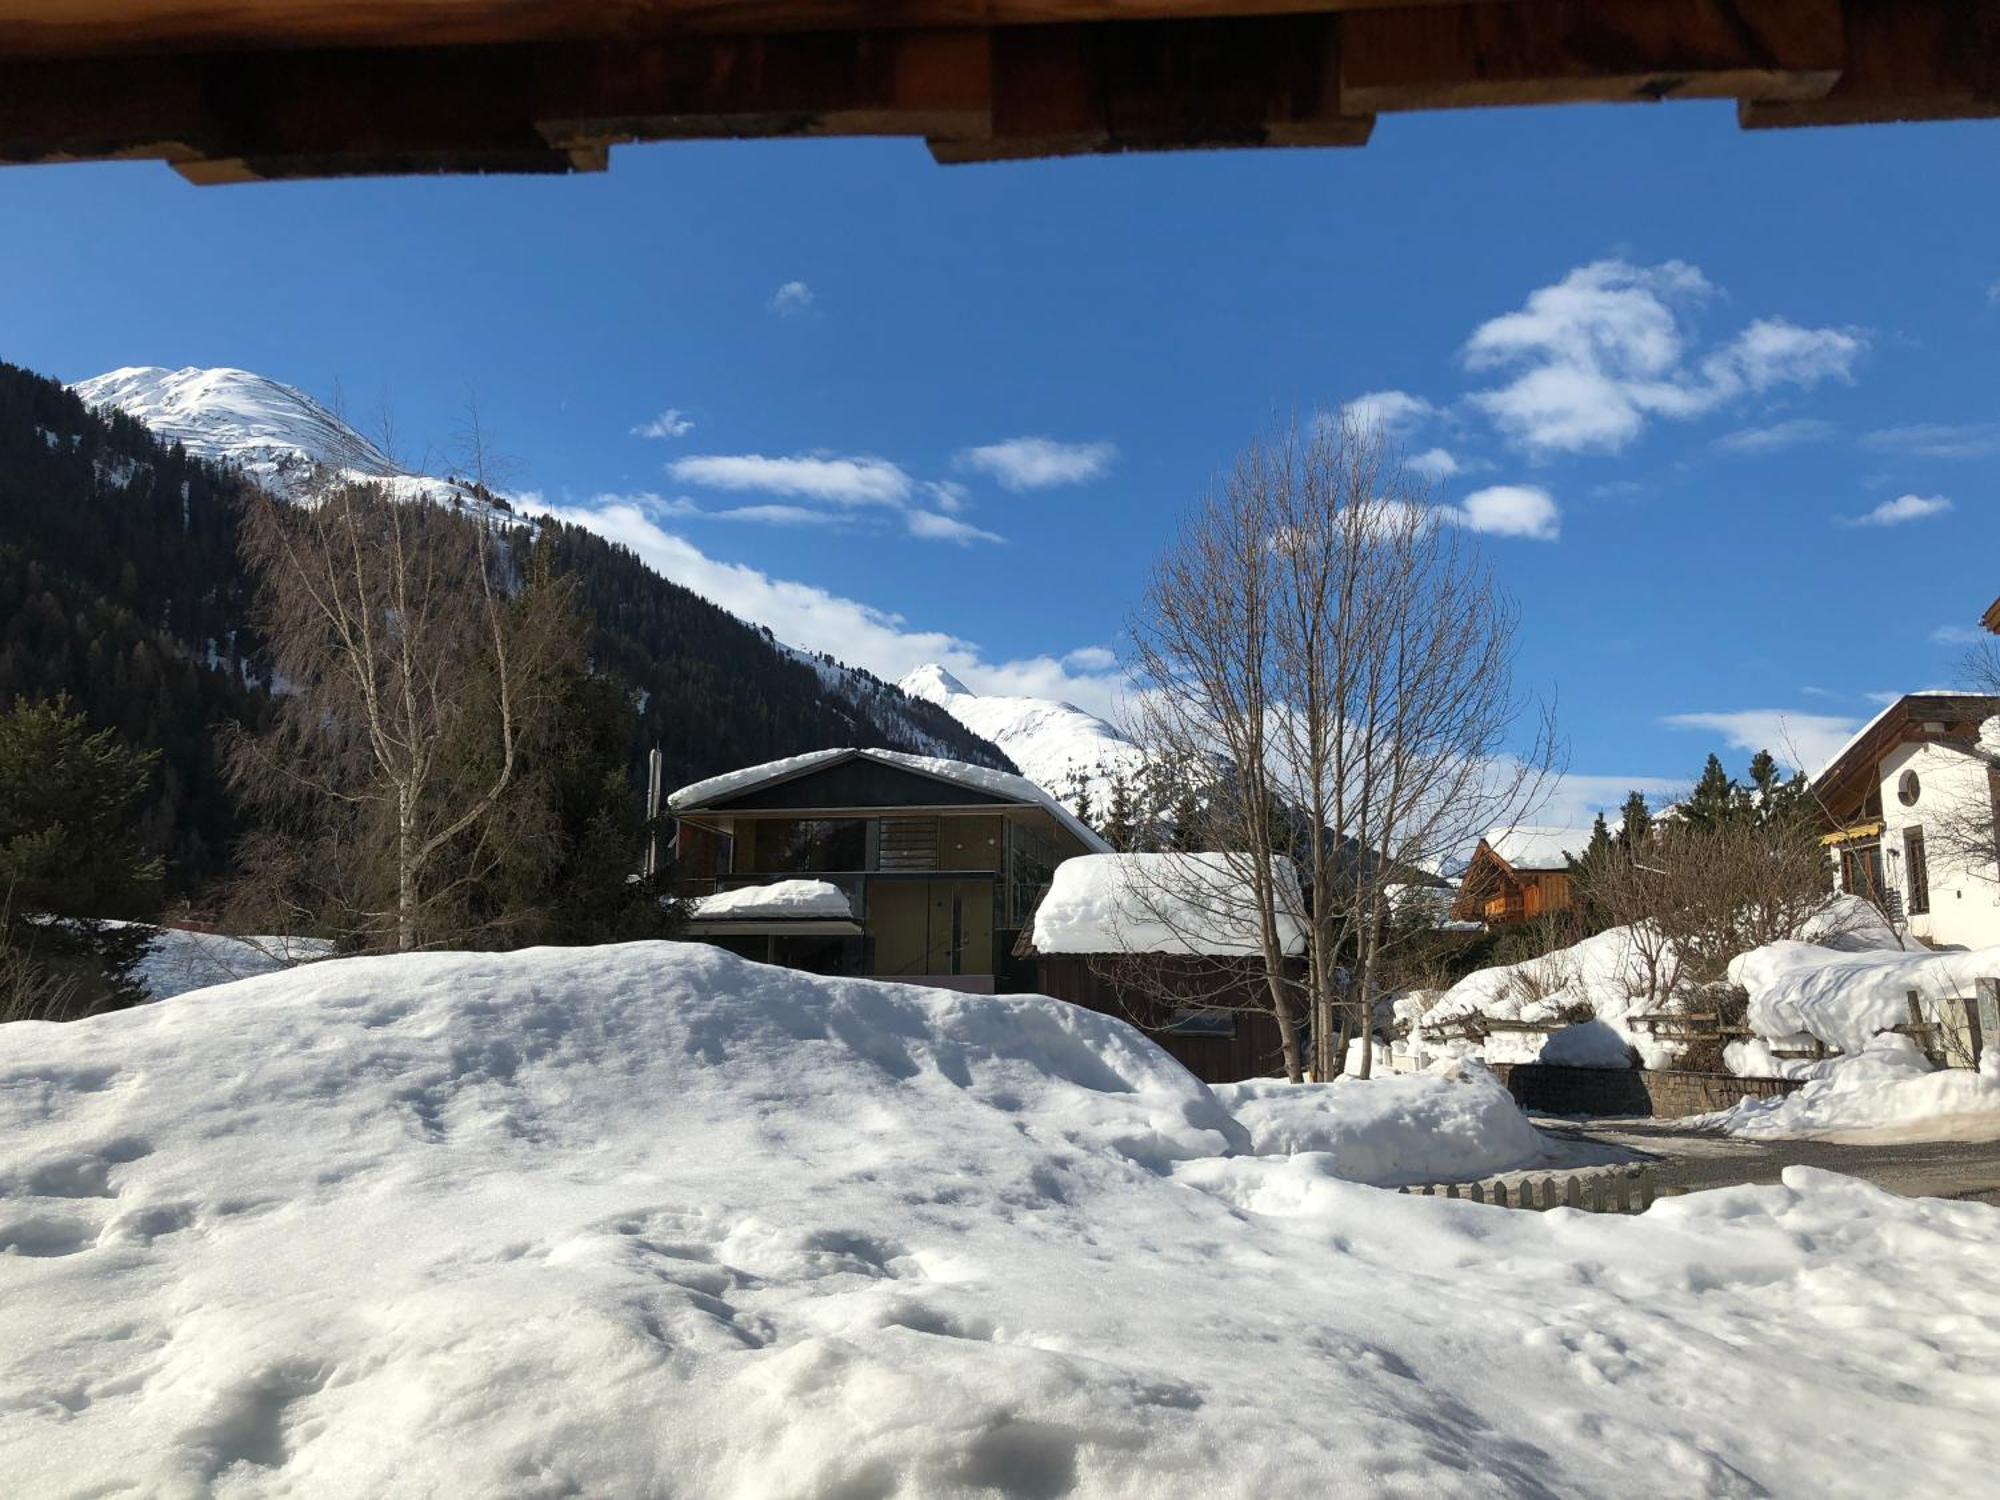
column 803, row 846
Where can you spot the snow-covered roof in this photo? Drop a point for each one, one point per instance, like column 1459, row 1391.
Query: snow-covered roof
column 1185, row 904
column 1887, row 710
column 781, row 898
column 1005, row 786
column 1529, row 846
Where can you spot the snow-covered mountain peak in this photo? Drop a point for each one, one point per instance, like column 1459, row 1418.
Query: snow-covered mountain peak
column 933, row 682
column 276, row 434
column 1056, row 744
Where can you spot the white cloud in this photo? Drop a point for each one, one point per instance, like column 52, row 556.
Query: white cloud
column 949, row 495
column 1603, row 351
column 777, row 515
column 1937, row 440
column 936, row 528
column 1039, row 463
column 671, row 423
column 1801, row 741
column 1778, row 435
column 1435, row 463
column 791, row 299
column 1903, row 508
column 806, row 615
column 1091, row 659
column 1390, row 412
column 836, row 481
column 1517, row 510
column 1957, row 635
column 1577, row 798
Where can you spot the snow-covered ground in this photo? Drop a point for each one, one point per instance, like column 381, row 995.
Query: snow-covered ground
column 649, row 1220
column 1452, row 1123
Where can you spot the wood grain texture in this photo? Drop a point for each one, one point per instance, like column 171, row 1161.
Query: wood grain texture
column 1590, row 51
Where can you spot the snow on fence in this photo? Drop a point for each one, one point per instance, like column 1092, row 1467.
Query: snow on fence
column 1620, row 1190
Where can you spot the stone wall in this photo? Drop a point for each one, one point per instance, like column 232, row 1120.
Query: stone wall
column 1631, row 1091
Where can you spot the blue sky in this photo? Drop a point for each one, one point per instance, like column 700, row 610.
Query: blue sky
column 1682, row 358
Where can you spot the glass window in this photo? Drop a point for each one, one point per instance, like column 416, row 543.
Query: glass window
column 1917, row 872
column 794, row 846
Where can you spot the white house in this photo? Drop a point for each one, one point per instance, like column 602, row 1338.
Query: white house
column 1928, row 763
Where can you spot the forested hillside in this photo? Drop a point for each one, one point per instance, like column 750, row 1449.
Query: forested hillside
column 121, row 586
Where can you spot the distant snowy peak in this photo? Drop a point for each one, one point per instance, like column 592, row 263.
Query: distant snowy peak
column 1057, row 745
column 275, row 434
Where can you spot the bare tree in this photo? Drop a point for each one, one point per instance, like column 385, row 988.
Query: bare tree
column 1204, row 655
column 419, row 668
column 1323, row 629
column 1964, row 829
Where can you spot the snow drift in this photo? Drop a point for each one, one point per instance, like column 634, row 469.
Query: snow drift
column 1453, row 1123
column 1845, row 998
column 649, row 1220
column 1886, row 1091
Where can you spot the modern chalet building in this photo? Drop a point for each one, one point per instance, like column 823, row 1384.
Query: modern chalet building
column 1170, row 943
column 1916, row 767
column 1518, row 875
column 873, row 862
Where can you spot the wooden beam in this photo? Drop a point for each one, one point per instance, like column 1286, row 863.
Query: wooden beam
column 51, row 28
column 1907, row 60
column 1589, row 51
column 234, row 117
column 1069, row 90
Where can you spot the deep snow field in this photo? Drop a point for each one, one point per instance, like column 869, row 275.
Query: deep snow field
column 653, row 1221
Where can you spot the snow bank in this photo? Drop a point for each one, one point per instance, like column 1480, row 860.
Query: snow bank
column 781, row 898
column 1453, row 1123
column 1844, row 999
column 1608, row 973
column 1604, row 971
column 1184, row 904
column 177, row 961
column 1887, row 1090
column 648, row 1220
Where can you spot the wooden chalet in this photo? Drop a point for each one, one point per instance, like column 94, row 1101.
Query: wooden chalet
column 1195, row 983
column 242, row 90
column 940, row 864
column 1519, row 875
column 1916, row 763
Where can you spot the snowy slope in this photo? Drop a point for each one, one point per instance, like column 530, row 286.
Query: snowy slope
column 277, row 435
column 648, row 1220
column 289, row 443
column 1056, row 744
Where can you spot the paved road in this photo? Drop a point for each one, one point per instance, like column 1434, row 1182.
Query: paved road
column 1685, row 1159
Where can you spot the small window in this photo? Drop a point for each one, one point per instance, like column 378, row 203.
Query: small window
column 1908, row 789
column 1916, row 872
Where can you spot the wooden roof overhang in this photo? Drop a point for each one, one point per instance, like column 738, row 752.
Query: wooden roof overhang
column 240, row 90
column 1842, row 788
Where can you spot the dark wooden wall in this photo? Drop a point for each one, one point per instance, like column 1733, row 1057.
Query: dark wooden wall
column 1115, row 988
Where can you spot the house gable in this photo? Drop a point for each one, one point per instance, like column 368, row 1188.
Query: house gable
column 858, row 783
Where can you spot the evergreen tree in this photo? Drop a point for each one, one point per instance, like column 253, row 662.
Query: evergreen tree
column 1121, row 818
column 1635, row 822
column 1716, row 799
column 67, row 851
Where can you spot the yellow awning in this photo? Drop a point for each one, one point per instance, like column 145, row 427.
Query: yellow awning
column 1856, row 831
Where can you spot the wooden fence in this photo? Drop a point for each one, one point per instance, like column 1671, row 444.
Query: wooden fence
column 1618, row 1190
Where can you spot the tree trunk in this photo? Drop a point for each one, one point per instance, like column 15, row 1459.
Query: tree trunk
column 406, row 874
